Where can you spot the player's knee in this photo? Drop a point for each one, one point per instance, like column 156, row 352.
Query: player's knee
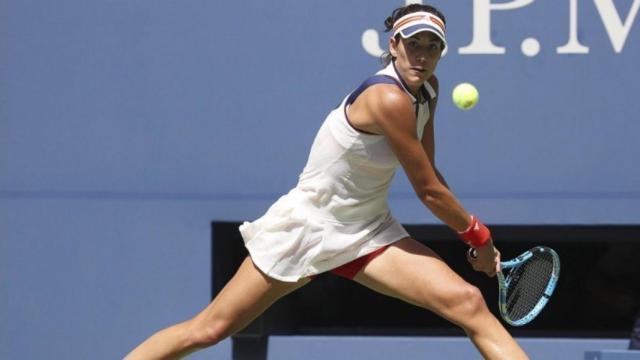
column 474, row 300
column 469, row 304
column 205, row 335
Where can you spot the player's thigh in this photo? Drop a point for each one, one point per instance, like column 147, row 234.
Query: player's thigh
column 411, row 271
column 249, row 293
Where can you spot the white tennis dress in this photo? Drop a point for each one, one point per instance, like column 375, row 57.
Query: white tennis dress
column 338, row 211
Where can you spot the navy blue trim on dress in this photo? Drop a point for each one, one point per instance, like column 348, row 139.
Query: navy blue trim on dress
column 425, row 93
column 376, row 79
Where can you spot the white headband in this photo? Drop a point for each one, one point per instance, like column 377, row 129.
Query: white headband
column 416, row 22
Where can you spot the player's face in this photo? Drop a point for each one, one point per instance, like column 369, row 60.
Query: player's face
column 416, row 57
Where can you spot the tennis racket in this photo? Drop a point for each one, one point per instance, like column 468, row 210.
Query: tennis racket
column 526, row 283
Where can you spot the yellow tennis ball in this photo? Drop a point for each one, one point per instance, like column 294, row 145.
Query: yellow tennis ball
column 465, row 96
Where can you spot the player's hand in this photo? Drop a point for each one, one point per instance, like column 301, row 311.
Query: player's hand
column 485, row 259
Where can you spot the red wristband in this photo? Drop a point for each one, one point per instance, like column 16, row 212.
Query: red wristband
column 476, row 235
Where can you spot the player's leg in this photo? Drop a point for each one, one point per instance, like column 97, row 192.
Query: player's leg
column 245, row 296
column 410, row 271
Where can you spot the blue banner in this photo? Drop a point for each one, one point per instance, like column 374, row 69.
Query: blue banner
column 221, row 100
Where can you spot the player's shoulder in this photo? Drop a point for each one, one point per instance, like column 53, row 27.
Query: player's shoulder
column 388, row 97
column 389, row 104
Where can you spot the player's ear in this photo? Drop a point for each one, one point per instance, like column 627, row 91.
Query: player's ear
column 393, row 46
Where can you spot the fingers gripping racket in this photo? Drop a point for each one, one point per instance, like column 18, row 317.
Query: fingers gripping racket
column 526, row 283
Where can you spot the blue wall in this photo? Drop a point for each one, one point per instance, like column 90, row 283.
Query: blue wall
column 127, row 126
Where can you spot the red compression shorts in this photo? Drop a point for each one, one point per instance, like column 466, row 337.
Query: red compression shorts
column 351, row 269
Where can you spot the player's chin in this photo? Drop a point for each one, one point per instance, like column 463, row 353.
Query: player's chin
column 419, row 77
column 417, row 81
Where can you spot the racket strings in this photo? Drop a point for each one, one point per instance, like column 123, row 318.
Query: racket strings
column 527, row 284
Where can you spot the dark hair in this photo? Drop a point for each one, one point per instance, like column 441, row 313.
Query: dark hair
column 402, row 11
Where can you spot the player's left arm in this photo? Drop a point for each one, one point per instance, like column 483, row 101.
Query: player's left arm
column 428, row 136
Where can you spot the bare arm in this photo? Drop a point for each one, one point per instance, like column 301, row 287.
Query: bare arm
column 385, row 109
column 490, row 255
column 394, row 116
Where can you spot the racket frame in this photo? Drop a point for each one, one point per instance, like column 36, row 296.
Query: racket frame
column 503, row 285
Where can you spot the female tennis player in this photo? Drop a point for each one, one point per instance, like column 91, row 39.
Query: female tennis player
column 337, row 219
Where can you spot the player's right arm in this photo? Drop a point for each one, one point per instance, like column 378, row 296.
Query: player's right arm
column 388, row 111
column 393, row 113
